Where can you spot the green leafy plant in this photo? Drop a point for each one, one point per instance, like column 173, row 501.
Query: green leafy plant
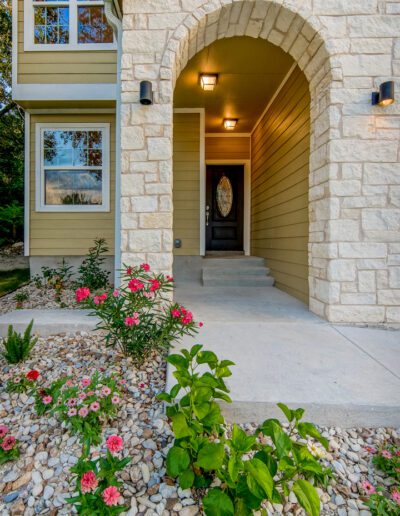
column 251, row 468
column 8, row 445
column 91, row 272
column 96, row 483
column 20, row 297
column 11, row 219
column 138, row 318
column 382, row 501
column 387, row 459
column 25, row 383
column 16, row 346
column 58, row 277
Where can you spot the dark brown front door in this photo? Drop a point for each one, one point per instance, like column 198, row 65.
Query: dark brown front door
column 224, row 208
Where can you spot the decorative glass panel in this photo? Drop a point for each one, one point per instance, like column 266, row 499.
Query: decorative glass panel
column 93, row 26
column 73, row 187
column 51, row 25
column 224, row 195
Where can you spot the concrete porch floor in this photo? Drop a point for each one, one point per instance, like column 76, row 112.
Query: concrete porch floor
column 343, row 376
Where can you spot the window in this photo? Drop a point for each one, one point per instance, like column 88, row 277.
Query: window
column 72, row 167
column 67, row 24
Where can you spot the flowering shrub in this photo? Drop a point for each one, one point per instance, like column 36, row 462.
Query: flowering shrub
column 8, row 445
column 23, row 383
column 96, row 484
column 384, row 500
column 138, row 318
column 250, row 468
column 83, row 407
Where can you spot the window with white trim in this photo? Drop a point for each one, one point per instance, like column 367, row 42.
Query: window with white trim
column 72, row 167
column 67, row 25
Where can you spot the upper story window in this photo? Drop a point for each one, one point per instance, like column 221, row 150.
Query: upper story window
column 67, row 25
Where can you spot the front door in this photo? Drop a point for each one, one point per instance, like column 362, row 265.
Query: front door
column 224, row 208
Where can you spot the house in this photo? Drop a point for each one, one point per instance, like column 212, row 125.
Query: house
column 257, row 135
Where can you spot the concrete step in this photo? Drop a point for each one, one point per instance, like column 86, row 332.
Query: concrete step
column 214, row 272
column 235, row 261
column 239, row 281
column 238, row 271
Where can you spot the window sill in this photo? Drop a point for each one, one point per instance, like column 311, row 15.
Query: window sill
column 93, row 47
column 72, row 209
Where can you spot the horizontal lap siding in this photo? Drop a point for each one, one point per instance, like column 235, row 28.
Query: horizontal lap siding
column 280, row 148
column 234, row 147
column 70, row 234
column 186, row 182
column 63, row 67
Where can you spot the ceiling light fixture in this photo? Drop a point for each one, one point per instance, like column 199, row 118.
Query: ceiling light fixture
column 385, row 95
column 230, row 123
column 208, row 81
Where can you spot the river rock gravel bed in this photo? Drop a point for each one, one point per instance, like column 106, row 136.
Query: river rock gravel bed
column 38, row 482
column 43, row 298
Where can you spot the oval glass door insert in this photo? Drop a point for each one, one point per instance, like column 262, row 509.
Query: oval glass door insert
column 224, row 195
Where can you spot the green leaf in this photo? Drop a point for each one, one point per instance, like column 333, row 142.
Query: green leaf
column 186, row 479
column 286, row 410
column 217, row 503
column 180, row 426
column 305, row 429
column 268, row 460
column 178, row 361
column 234, row 466
column 207, row 357
column 298, row 413
column 164, row 396
column 282, row 442
column 260, row 473
column 214, row 416
column 175, row 390
column 307, row 497
column 178, row 461
column 226, row 363
column 201, row 409
column 195, row 349
column 211, row 456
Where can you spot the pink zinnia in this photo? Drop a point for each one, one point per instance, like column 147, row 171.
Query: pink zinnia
column 134, row 285
column 82, row 395
column 3, row 430
column 94, row 407
column 145, row 267
column 115, row 400
column 47, row 400
column 90, row 393
column 110, row 495
column 85, row 382
column 8, row 443
column 105, row 391
column 83, row 411
column 81, row 294
column 386, row 454
column 71, row 402
column 115, row 443
column 89, row 482
column 368, row 487
column 71, row 412
column 155, row 285
column 396, row 496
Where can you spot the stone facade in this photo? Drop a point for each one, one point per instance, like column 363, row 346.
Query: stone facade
column 346, row 49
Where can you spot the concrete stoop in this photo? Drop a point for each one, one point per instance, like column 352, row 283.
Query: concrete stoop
column 236, row 271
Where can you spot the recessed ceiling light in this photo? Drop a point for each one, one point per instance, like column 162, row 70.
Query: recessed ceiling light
column 230, row 123
column 208, row 81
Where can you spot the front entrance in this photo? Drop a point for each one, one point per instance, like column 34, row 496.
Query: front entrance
column 224, row 207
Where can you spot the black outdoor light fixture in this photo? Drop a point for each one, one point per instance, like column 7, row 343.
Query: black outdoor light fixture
column 146, row 93
column 385, row 95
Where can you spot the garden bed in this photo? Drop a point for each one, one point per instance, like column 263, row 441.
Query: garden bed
column 39, row 481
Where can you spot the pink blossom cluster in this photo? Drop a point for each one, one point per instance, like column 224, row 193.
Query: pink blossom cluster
column 99, row 300
column 81, row 294
column 132, row 320
column 8, row 441
column 185, row 316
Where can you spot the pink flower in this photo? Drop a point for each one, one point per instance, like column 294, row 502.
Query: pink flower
column 8, row 443
column 368, row 487
column 71, row 402
column 370, row 449
column 47, row 400
column 69, row 383
column 105, row 391
column 397, row 453
column 145, row 267
column 169, row 278
column 155, row 285
column 90, row 393
column 99, row 300
column 17, row 379
column 81, row 294
column 134, row 285
column 187, row 318
column 3, row 430
column 386, row 454
column 148, row 295
column 94, row 407
column 115, row 400
column 116, row 293
column 85, row 382
column 396, row 496
column 71, row 412
column 82, row 395
column 83, row 411
column 201, row 324
column 110, row 495
column 129, row 271
column 115, row 443
column 142, row 385
column 123, row 382
column 89, row 482
column 175, row 313
column 131, row 321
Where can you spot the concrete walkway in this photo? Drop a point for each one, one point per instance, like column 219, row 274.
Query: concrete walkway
column 342, row 375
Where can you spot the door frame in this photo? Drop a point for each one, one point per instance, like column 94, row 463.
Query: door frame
column 246, row 199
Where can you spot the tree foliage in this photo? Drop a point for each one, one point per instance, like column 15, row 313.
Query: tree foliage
column 11, row 128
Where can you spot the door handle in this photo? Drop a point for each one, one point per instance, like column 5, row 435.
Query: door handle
column 207, row 214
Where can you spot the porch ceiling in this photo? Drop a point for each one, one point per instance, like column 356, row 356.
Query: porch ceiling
column 250, row 70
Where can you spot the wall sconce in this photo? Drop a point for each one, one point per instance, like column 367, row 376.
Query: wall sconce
column 208, row 81
column 385, row 95
column 146, row 93
column 177, row 243
column 230, row 123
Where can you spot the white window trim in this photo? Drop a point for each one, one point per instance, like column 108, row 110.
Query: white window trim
column 39, row 169
column 29, row 24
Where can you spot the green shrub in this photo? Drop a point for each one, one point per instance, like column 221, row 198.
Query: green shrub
column 12, row 219
column 58, row 277
column 20, row 297
column 91, row 272
column 16, row 346
column 250, row 469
